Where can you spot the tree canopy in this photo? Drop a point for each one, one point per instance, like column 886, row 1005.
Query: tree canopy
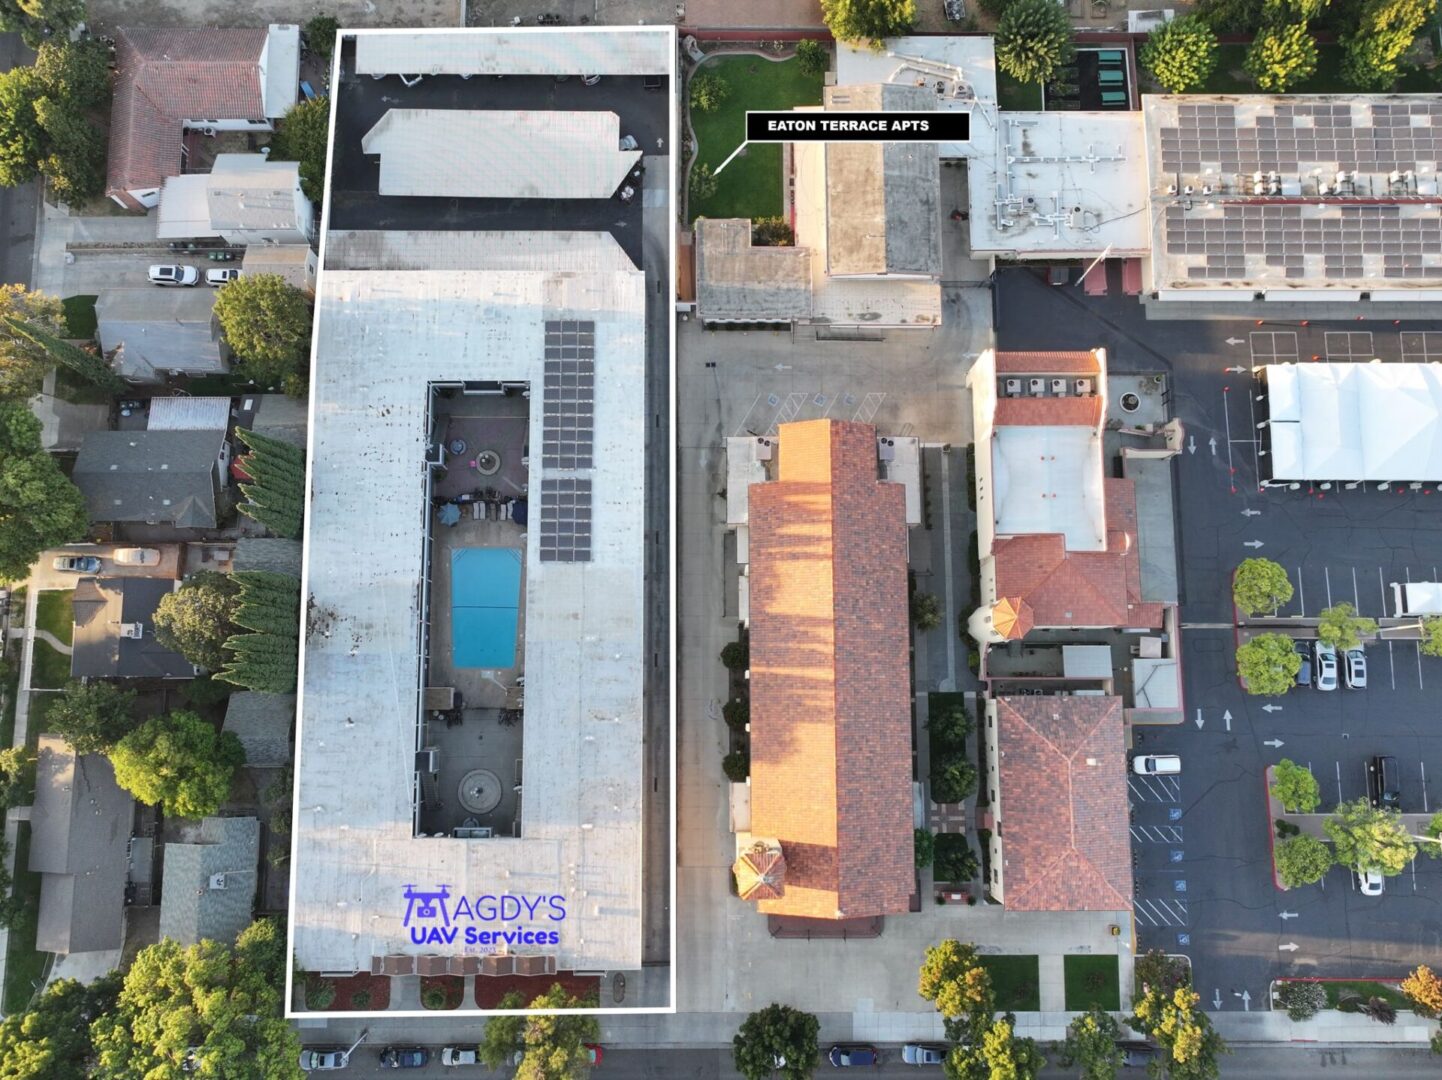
column 953, row 980
column 41, row 21
column 92, row 716
column 777, row 1032
column 708, row 90
column 320, row 34
column 1424, row 991
column 1303, row 860
column 1190, row 1047
column 266, row 655
column 275, row 495
column 1369, row 838
column 49, row 114
column 267, row 322
column 223, row 1003
column 1281, row 56
column 868, row 20
column 51, row 1041
column 1341, row 627
column 1260, row 586
column 1372, row 53
column 196, row 619
column 1180, row 54
column 303, row 136
column 39, row 507
column 179, row 762
column 56, row 350
column 1269, row 663
column 1091, row 1045
column 1431, row 644
column 23, row 361
column 1034, row 40
column 552, row 1046
column 1295, row 787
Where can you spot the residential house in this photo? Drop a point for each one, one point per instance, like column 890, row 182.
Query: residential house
column 80, row 827
column 262, row 723
column 831, row 793
column 114, row 634
column 245, row 199
column 172, row 85
column 186, row 413
column 156, row 477
column 151, row 334
column 209, row 881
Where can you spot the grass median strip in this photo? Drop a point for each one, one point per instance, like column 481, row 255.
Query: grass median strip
column 1091, row 980
column 1016, row 982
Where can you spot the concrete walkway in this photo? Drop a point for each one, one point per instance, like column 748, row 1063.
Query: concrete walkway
column 55, row 230
column 45, row 636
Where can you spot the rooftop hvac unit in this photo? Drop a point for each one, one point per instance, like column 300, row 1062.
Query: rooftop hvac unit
column 435, row 455
column 1259, row 187
column 428, row 760
column 1342, row 176
column 134, row 631
column 1171, row 189
column 1324, row 188
column 764, row 448
column 1188, row 190
column 1207, row 189
column 1013, row 388
column 1038, row 387
column 1058, row 387
column 886, row 449
column 1083, row 387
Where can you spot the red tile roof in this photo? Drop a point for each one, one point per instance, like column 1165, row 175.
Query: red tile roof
column 164, row 77
column 830, row 675
column 1047, row 363
column 1048, row 411
column 1080, row 588
column 1063, row 823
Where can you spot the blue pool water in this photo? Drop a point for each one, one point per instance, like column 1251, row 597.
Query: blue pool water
column 485, row 595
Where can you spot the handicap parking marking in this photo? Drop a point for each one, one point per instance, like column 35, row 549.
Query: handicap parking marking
column 1157, row 834
column 868, row 407
column 1162, row 789
column 1161, row 911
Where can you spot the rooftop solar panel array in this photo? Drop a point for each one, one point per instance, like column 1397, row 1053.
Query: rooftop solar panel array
column 568, row 424
column 565, row 519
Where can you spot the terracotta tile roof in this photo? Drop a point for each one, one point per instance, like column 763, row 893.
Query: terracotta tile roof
column 1048, row 411
column 164, row 77
column 1081, row 588
column 1047, row 363
column 830, row 675
column 1063, row 823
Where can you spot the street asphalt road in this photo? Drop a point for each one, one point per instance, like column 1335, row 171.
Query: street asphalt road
column 18, row 204
column 355, row 177
column 1201, row 843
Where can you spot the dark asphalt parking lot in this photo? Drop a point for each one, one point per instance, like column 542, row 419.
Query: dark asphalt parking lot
column 1203, row 864
column 362, row 100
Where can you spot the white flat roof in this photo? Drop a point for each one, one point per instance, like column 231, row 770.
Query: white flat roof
column 381, row 337
column 566, row 51
column 1350, row 422
column 1058, row 183
column 512, row 154
column 1048, row 479
column 282, row 69
column 969, row 61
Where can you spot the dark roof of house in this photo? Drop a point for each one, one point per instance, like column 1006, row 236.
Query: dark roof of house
column 262, row 723
column 166, row 76
column 209, row 892
column 276, row 554
column 102, row 607
column 79, row 835
column 830, row 683
column 154, row 476
column 1063, row 807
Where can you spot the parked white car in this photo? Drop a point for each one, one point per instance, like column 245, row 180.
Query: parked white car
column 221, row 275
column 136, row 557
column 1369, row 882
column 174, row 275
column 1156, row 764
column 1354, row 669
column 460, row 1055
column 1326, row 677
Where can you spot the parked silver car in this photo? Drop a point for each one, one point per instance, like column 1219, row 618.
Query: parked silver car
column 174, row 275
column 1326, row 678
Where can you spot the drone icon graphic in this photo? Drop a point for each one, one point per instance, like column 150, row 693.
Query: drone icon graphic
column 427, row 904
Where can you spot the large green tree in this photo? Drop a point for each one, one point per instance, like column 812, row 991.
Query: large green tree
column 217, row 1007
column 41, row 21
column 178, row 762
column 1091, row 1045
column 266, row 320
column 50, row 116
column 1002, row 1055
column 39, row 507
column 1341, row 627
column 870, row 21
column 1431, row 644
column 1372, row 53
column 1369, row 838
column 303, row 135
column 1260, row 587
column 1295, row 787
column 777, row 1033
column 23, row 362
column 1034, row 40
column 1303, row 860
column 1180, row 54
column 92, row 716
column 953, row 980
column 51, row 1039
column 552, row 1046
column 1269, row 663
column 1190, row 1047
column 56, row 350
column 196, row 619
column 275, row 494
column 1281, row 56
column 266, row 656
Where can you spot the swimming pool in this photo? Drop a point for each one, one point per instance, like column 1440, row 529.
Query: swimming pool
column 485, row 597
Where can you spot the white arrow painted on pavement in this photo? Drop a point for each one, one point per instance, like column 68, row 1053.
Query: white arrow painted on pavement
column 1275, row 744
column 1212, row 442
column 1289, row 914
column 1199, row 719
column 1247, row 1000
column 1271, row 708
column 780, row 367
column 1191, row 444
column 1291, row 946
column 1251, row 543
column 1251, row 513
column 1217, row 997
column 1234, row 341
column 1227, row 716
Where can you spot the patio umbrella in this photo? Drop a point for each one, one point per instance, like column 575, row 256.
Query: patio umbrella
column 1012, row 618
column 450, row 514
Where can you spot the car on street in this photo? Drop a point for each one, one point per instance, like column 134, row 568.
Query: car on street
column 1354, row 669
column 1304, row 673
column 594, row 1054
column 923, row 1054
column 1369, row 882
column 76, row 564
column 323, row 1058
column 136, row 557
column 628, row 142
column 1156, row 764
column 174, row 275
column 1326, row 657
column 460, row 1055
column 221, row 275
column 1384, row 786
column 405, row 1057
column 1135, row 1054
column 850, row 1055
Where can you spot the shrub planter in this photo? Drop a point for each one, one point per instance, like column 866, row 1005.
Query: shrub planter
column 442, row 991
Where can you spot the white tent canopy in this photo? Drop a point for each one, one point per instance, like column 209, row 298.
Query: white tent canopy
column 1355, row 422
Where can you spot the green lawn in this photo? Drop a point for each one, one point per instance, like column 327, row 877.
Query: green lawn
column 80, row 316
column 50, row 669
column 55, row 613
column 1017, row 96
column 1091, row 980
column 1336, row 990
column 25, row 968
column 39, row 720
column 751, row 185
column 1015, row 981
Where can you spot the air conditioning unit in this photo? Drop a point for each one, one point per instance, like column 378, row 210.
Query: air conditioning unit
column 1207, row 189
column 1058, row 387
column 1013, row 388
column 764, row 448
column 1038, row 387
column 1083, row 387
column 886, row 449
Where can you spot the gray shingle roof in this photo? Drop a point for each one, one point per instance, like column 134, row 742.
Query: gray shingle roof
column 102, row 606
column 159, row 331
column 154, row 476
column 79, row 833
column 262, row 724
column 208, row 890
column 276, row 554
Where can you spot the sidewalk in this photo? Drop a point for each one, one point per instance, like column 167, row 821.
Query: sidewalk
column 55, row 230
column 22, row 722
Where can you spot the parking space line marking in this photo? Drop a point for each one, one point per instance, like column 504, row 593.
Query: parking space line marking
column 1423, row 766
column 1339, row 782
column 741, row 427
column 1182, row 917
column 1413, row 864
column 1421, row 685
column 1382, row 588
column 1227, row 416
column 1137, row 907
column 1301, row 592
column 1256, row 444
column 1392, row 663
column 1327, row 576
column 1356, row 600
column 1163, row 914
column 1134, row 834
